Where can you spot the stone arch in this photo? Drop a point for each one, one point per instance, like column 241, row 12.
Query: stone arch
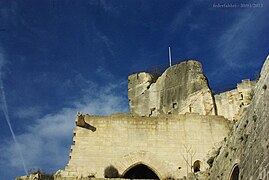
column 139, row 164
column 159, row 167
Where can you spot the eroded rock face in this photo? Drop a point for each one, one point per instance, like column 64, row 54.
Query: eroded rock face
column 181, row 88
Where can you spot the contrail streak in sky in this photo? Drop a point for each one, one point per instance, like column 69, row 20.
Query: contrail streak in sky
column 5, row 110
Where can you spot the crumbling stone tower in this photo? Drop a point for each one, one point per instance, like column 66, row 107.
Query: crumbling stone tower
column 181, row 88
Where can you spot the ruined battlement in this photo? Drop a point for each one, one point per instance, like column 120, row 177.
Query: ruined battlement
column 184, row 88
column 231, row 104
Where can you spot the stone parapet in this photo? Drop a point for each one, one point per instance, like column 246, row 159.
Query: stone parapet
column 160, row 142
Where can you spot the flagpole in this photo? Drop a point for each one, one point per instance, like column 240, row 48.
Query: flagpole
column 170, row 58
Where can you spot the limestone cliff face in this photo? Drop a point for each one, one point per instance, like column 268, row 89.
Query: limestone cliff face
column 245, row 154
column 181, row 88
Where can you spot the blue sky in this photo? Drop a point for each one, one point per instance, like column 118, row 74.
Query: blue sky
column 58, row 57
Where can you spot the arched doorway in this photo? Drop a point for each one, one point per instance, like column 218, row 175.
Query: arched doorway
column 235, row 173
column 140, row 171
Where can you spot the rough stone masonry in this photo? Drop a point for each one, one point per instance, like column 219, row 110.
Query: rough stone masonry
column 161, row 143
column 245, row 152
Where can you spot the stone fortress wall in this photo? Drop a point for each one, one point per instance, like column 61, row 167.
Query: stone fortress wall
column 245, row 153
column 160, row 142
column 174, row 123
column 171, row 118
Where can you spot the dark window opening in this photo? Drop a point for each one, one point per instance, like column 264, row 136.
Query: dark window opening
column 140, row 171
column 235, row 173
column 196, row 166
